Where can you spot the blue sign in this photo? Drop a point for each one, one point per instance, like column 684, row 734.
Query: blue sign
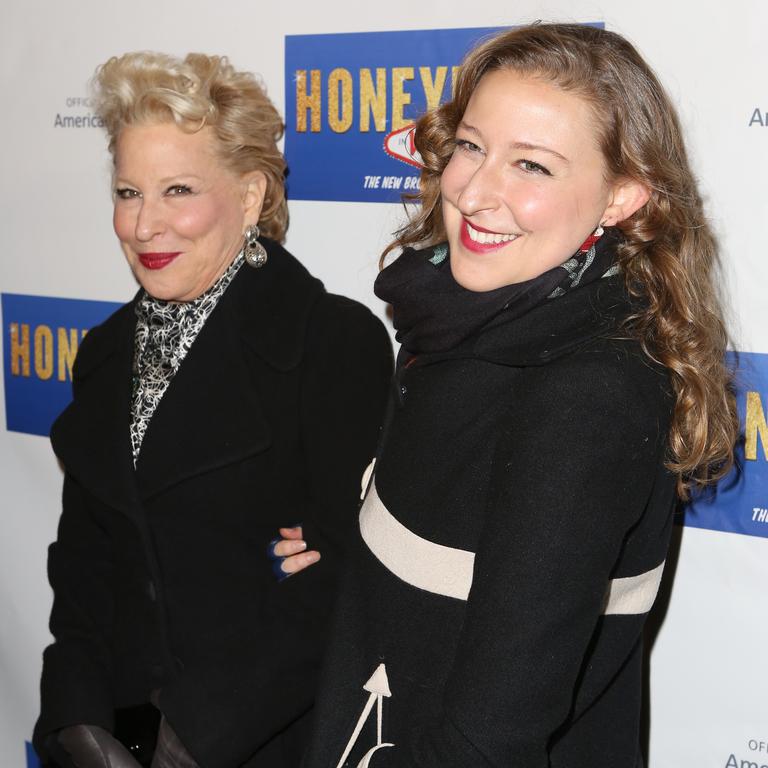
column 41, row 337
column 33, row 761
column 739, row 503
column 351, row 101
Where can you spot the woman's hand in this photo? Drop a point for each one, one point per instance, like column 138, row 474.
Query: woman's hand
column 290, row 553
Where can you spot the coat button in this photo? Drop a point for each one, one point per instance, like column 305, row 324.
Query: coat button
column 403, row 390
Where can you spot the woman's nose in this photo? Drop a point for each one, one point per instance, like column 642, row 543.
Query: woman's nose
column 149, row 221
column 481, row 191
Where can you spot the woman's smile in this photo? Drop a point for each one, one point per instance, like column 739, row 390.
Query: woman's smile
column 157, row 260
column 480, row 240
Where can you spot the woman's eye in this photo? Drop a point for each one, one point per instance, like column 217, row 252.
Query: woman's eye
column 531, row 167
column 125, row 193
column 178, row 189
column 466, row 146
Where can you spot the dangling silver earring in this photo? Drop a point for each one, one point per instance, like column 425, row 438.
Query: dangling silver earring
column 599, row 231
column 253, row 251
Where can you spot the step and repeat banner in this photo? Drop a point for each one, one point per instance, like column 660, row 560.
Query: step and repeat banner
column 350, row 81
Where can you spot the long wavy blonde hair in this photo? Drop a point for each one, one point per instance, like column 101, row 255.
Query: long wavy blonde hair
column 669, row 256
column 197, row 91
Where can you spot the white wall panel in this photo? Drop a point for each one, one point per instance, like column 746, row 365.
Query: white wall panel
column 708, row 666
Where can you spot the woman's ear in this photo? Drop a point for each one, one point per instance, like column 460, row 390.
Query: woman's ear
column 628, row 196
column 254, row 190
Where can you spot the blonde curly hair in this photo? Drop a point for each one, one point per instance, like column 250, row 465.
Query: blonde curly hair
column 197, row 91
column 669, row 257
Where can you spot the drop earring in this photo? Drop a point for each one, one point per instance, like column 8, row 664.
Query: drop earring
column 592, row 239
column 253, row 251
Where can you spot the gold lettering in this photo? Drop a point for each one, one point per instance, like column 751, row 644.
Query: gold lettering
column 433, row 89
column 311, row 101
column 755, row 426
column 20, row 350
column 43, row 352
column 373, row 100
column 340, row 109
column 455, row 70
column 66, row 352
column 400, row 97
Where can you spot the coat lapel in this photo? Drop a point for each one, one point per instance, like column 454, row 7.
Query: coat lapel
column 210, row 415
column 91, row 437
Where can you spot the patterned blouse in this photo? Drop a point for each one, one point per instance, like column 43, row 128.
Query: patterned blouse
column 165, row 331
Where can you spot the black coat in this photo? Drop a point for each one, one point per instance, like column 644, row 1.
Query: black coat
column 511, row 545
column 160, row 575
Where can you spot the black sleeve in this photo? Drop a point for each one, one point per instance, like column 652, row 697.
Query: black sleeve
column 572, row 469
column 77, row 666
column 349, row 369
column 345, row 376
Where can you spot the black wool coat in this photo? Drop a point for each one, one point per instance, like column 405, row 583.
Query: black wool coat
column 510, row 547
column 160, row 574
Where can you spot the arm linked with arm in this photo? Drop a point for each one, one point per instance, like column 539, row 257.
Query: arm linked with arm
column 345, row 376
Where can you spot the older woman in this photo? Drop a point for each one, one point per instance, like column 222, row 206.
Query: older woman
column 232, row 396
column 561, row 384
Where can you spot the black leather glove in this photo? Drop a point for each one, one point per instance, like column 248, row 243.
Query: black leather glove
column 88, row 746
column 170, row 752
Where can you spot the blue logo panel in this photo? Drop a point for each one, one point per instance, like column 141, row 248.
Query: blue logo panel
column 33, row 761
column 739, row 504
column 41, row 337
column 351, row 100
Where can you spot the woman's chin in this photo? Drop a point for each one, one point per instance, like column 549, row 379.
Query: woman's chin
column 159, row 289
column 475, row 277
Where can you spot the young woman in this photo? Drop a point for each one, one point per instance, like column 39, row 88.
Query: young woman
column 561, row 383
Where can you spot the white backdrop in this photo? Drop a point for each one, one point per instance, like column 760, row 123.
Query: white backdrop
column 708, row 666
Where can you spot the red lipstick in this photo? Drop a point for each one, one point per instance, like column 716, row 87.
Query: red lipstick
column 157, row 260
column 481, row 229
column 475, row 247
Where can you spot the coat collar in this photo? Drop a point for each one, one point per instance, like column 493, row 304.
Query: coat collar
column 91, row 436
column 210, row 415
column 273, row 306
column 558, row 326
column 549, row 331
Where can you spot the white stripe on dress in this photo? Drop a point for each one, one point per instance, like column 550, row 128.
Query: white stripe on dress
column 417, row 561
column 448, row 570
column 633, row 594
